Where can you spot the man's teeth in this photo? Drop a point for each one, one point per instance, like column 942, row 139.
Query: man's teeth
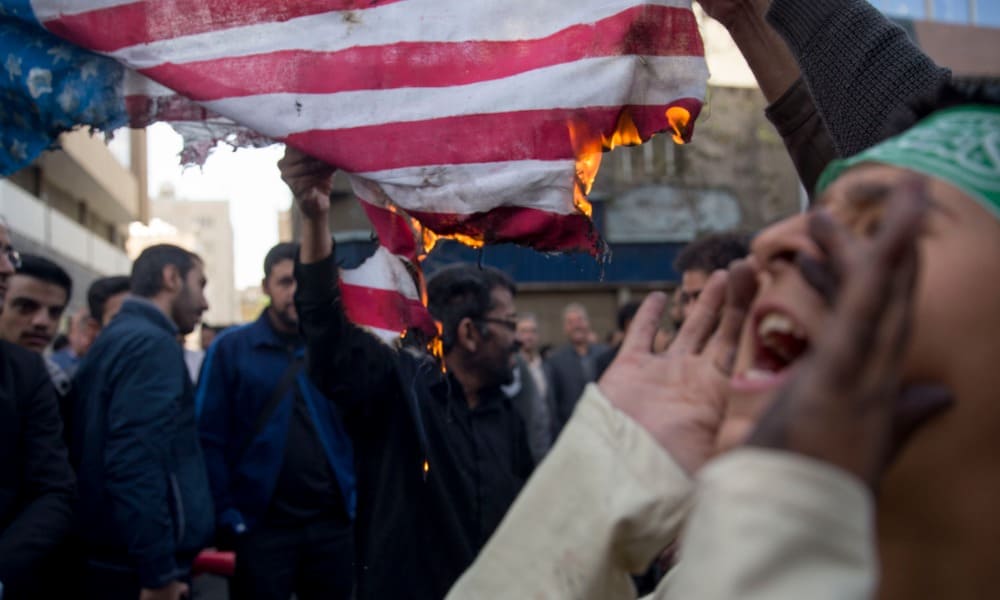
column 778, row 323
column 758, row 374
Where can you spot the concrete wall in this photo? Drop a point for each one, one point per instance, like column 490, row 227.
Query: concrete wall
column 967, row 51
column 39, row 229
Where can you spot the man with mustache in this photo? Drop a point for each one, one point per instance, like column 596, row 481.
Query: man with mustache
column 37, row 486
column 926, row 525
column 36, row 298
column 790, row 514
column 440, row 456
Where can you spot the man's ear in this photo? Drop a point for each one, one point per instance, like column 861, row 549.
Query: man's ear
column 263, row 286
column 467, row 336
column 172, row 280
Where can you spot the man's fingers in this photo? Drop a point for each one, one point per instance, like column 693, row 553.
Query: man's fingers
column 739, row 296
column 699, row 326
column 820, row 276
column 641, row 332
column 875, row 307
column 894, row 327
column 902, row 220
column 832, row 239
column 301, row 171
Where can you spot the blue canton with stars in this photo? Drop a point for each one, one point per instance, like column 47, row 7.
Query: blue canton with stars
column 48, row 86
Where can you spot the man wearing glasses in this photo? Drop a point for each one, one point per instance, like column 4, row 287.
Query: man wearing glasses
column 439, row 454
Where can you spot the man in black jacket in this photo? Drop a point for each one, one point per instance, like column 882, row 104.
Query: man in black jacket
column 36, row 482
column 439, row 456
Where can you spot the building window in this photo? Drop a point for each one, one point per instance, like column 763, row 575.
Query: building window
column 987, row 13
column 909, row 9
column 951, row 11
column 983, row 13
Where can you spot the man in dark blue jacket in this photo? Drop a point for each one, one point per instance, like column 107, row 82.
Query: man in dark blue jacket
column 145, row 506
column 278, row 458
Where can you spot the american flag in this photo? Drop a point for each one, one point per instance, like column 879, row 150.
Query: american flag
column 479, row 120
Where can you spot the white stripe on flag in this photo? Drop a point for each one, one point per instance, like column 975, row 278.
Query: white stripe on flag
column 279, row 115
column 473, row 188
column 384, row 271
column 52, row 9
column 410, row 21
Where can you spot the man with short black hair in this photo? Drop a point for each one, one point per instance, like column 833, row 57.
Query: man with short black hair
column 145, row 506
column 105, row 297
column 36, row 298
column 699, row 259
column 278, row 456
column 440, row 455
column 36, row 481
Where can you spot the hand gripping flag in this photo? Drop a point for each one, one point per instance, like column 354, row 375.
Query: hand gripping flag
column 481, row 121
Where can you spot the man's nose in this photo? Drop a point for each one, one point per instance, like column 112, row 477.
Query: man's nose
column 783, row 241
column 41, row 320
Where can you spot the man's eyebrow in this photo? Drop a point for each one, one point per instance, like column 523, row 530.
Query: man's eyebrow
column 868, row 194
column 872, row 194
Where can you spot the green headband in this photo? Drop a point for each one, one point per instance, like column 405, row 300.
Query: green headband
column 959, row 145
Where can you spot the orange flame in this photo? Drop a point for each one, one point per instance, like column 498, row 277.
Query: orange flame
column 436, row 347
column 589, row 148
column 429, row 239
column 680, row 122
column 625, row 134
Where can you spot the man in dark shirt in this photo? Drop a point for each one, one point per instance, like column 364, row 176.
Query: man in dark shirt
column 278, row 458
column 440, row 456
column 36, row 482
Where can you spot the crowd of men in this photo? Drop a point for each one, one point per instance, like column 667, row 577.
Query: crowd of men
column 817, row 413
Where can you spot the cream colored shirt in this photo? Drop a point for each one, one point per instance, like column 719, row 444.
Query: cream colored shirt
column 608, row 499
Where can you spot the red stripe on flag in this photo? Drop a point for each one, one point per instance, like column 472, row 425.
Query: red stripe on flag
column 432, row 64
column 384, row 309
column 467, row 139
column 116, row 27
column 542, row 230
column 393, row 230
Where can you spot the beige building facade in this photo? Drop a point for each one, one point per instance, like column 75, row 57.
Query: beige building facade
column 74, row 205
column 205, row 228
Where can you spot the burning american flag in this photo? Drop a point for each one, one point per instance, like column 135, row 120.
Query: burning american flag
column 482, row 121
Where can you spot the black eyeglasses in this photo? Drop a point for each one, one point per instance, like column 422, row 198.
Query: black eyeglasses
column 509, row 324
column 12, row 255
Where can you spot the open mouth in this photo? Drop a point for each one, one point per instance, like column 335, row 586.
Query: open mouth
column 779, row 341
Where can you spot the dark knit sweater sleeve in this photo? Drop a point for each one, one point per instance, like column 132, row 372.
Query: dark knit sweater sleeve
column 860, row 67
column 808, row 142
